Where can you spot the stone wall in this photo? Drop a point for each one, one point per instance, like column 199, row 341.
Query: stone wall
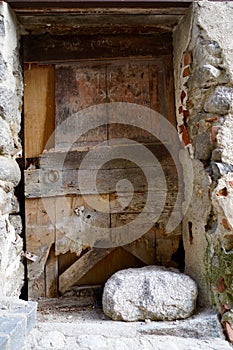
column 203, row 64
column 11, row 87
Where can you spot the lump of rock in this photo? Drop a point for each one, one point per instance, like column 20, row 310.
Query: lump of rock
column 151, row 292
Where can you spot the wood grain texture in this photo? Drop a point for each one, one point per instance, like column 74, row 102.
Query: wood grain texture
column 66, row 256
column 51, row 275
column 118, row 259
column 62, row 48
column 40, row 236
column 39, row 108
column 76, row 271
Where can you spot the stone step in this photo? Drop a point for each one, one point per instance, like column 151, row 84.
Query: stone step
column 4, row 341
column 204, row 324
column 17, row 318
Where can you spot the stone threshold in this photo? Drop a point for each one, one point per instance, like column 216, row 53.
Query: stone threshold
column 17, row 318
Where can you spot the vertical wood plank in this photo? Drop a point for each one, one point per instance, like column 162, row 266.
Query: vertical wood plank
column 78, row 87
column 169, row 85
column 39, row 108
column 51, row 275
column 40, row 236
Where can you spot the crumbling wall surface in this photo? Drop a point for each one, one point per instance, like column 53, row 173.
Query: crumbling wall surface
column 11, row 268
column 203, row 62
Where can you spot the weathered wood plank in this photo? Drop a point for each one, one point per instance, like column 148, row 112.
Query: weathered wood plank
column 40, row 235
column 39, row 183
column 76, row 271
column 71, row 159
column 167, row 246
column 78, row 87
column 62, row 48
column 144, row 248
column 118, row 259
column 72, row 213
column 39, row 108
column 36, row 288
column 51, row 275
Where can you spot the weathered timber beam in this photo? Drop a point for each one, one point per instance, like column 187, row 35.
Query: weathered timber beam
column 76, row 271
column 60, row 48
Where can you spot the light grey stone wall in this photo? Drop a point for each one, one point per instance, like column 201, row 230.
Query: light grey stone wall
column 203, row 66
column 11, row 88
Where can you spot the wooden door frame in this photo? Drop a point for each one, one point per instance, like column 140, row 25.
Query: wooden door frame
column 51, row 49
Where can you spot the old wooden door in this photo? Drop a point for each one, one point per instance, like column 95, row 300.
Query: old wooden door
column 53, row 93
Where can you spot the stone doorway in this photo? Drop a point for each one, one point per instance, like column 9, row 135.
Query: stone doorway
column 53, row 93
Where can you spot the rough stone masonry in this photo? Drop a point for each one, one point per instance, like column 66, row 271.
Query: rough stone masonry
column 203, row 67
column 11, row 89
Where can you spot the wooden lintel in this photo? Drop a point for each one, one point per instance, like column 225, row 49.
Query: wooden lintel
column 60, row 48
column 76, row 271
column 97, row 3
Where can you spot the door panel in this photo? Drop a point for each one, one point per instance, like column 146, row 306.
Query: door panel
column 64, row 257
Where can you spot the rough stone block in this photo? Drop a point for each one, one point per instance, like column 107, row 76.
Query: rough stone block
column 9, row 104
column 30, row 311
column 9, row 170
column 220, row 101
column 203, row 325
column 203, row 146
column 6, row 140
column 4, row 341
column 16, row 307
column 151, row 292
column 2, row 67
column 2, row 26
column 15, row 327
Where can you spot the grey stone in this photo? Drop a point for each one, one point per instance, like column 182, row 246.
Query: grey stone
column 220, row 169
column 6, row 140
column 10, row 204
column 53, row 340
column 3, row 199
column 220, row 101
column 18, row 307
column 151, row 292
column 217, row 155
column 203, row 146
column 2, row 26
column 9, row 105
column 2, row 67
column 4, row 342
column 14, row 326
column 90, row 342
column 16, row 222
column 214, row 49
column 202, row 325
column 204, row 76
column 9, row 170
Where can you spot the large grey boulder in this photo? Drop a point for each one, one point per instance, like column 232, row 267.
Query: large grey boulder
column 151, row 292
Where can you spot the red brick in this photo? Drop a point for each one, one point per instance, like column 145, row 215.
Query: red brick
column 222, row 193
column 221, row 285
column 229, row 331
column 211, row 119
column 226, row 224
column 187, row 58
column 186, row 114
column 182, row 96
column 186, row 72
column 214, row 133
column 185, row 136
column 231, row 183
